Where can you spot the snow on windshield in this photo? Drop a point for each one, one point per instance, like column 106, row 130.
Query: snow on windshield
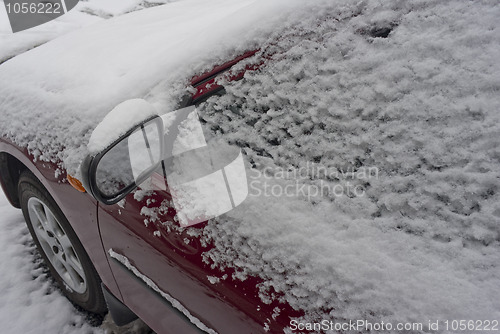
column 375, row 187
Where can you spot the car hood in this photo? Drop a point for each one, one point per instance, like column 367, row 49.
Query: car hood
column 54, row 95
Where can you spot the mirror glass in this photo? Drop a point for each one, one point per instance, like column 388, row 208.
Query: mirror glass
column 130, row 160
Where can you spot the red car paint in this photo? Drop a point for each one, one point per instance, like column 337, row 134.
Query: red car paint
column 206, row 83
column 159, row 251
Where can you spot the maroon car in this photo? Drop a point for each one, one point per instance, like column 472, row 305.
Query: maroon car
column 103, row 252
column 347, row 183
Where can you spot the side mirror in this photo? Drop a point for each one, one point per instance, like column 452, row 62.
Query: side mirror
column 127, row 148
column 130, row 157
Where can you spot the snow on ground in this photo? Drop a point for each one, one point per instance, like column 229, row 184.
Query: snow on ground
column 29, row 301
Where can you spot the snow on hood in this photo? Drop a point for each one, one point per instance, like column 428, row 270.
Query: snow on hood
column 53, row 96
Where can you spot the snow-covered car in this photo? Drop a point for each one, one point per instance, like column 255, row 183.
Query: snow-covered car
column 240, row 166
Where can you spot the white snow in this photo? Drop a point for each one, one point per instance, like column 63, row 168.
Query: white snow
column 213, row 279
column 30, row 303
column 118, row 121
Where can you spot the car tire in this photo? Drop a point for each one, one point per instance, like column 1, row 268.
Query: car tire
column 59, row 246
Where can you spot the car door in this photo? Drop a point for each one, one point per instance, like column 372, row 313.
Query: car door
column 157, row 259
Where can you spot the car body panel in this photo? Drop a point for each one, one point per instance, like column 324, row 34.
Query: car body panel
column 182, row 276
column 160, row 252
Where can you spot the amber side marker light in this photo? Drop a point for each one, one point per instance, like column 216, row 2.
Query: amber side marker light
column 76, row 183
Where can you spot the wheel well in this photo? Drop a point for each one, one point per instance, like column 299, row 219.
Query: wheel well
column 10, row 170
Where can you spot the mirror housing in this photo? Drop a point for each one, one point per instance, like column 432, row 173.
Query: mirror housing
column 124, row 151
